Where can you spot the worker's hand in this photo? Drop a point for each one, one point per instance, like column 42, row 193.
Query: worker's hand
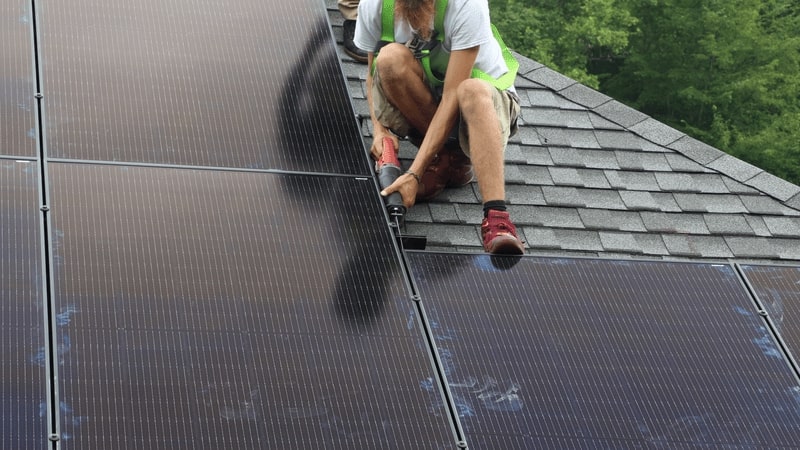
column 407, row 185
column 377, row 143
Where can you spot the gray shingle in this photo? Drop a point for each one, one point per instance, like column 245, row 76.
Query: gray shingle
column 584, row 95
column 444, row 213
column 762, row 204
column 550, row 78
column 696, row 150
column 657, row 132
column 682, row 182
column 526, row 64
column 620, row 113
column 633, row 181
column 535, row 155
column 734, row 168
column 680, row 163
column 545, row 216
column 722, row 203
column 674, row 223
column 465, row 194
column 758, row 225
column 601, row 219
column 655, row 162
column 529, row 175
column 582, row 138
column 419, row 213
column 736, row 187
column 783, row 226
column 697, row 246
column 794, row 202
column 601, row 123
column 774, row 186
column 728, row 224
column 548, row 238
column 752, row 247
column 638, row 243
column 576, row 197
column 551, row 136
column 545, row 98
column 557, row 118
column 589, row 178
column 446, row 235
column 469, row 213
column 602, row 199
column 592, row 159
column 562, row 196
column 649, row 201
column 525, row 195
column 527, row 135
column 622, row 140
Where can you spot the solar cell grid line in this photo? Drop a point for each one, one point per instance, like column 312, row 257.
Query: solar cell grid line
column 226, row 309
column 17, row 85
column 22, row 342
column 778, row 290
column 584, row 353
column 240, row 83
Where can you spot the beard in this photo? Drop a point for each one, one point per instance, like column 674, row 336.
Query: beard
column 418, row 13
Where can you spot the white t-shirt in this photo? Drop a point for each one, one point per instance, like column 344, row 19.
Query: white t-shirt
column 466, row 25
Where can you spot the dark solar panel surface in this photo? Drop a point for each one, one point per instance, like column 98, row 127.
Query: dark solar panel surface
column 239, row 83
column 213, row 309
column 560, row 353
column 778, row 290
column 22, row 354
column 16, row 79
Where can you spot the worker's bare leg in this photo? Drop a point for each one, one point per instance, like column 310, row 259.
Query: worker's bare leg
column 485, row 138
column 404, row 86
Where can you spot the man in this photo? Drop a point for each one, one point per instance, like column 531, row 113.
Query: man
column 467, row 112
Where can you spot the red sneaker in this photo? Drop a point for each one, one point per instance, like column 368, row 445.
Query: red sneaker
column 500, row 235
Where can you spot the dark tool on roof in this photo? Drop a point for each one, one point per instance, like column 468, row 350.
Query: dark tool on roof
column 388, row 171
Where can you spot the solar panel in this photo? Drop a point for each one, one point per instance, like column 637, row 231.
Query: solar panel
column 778, row 290
column 240, row 83
column 16, row 79
column 577, row 353
column 22, row 352
column 222, row 309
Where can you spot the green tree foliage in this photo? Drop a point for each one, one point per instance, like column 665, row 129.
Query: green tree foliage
column 565, row 35
column 724, row 71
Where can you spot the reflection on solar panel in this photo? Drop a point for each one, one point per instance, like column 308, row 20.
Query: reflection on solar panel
column 22, row 354
column 212, row 309
column 778, row 290
column 240, row 83
column 16, row 79
column 559, row 353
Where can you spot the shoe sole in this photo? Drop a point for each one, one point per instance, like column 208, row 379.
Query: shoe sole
column 505, row 245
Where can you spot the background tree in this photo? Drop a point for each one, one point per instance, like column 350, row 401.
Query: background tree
column 724, row 71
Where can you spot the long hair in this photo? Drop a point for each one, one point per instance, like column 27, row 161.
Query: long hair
column 418, row 13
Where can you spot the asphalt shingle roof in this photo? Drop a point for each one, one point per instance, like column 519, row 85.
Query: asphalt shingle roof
column 589, row 176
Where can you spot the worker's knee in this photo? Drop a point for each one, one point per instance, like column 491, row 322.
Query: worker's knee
column 474, row 96
column 394, row 62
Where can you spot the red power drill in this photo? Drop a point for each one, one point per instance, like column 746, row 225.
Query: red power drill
column 388, row 171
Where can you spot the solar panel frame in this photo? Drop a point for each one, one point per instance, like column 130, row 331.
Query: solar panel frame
column 239, row 84
column 23, row 350
column 528, row 353
column 208, row 308
column 777, row 291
